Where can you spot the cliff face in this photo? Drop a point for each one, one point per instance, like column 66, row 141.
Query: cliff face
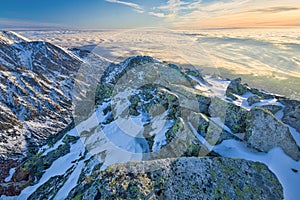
column 69, row 118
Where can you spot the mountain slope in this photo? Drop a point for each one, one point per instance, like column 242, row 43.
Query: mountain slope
column 142, row 109
column 36, row 84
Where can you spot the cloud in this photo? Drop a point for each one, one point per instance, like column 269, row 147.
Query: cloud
column 275, row 9
column 157, row 14
column 181, row 11
column 136, row 7
column 229, row 13
column 172, row 8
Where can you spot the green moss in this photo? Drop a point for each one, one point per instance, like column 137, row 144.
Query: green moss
column 193, row 150
column 70, row 139
column 78, row 197
column 103, row 92
column 177, row 126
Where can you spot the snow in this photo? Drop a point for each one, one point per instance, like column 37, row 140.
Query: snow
column 11, row 173
column 71, row 182
column 16, row 37
column 295, row 134
column 217, row 86
column 242, row 101
column 58, row 167
column 160, row 126
column 48, row 149
column 121, row 142
column 276, row 160
column 117, row 144
column 200, row 138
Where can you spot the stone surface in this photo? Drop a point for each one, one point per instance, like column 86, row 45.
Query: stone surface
column 272, row 108
column 291, row 113
column 183, row 178
column 265, row 132
column 157, row 96
column 236, row 87
column 253, row 99
column 232, row 115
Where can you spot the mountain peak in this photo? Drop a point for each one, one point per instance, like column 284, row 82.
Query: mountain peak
column 12, row 37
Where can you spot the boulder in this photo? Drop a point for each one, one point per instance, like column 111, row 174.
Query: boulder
column 183, row 178
column 265, row 132
column 233, row 116
column 291, row 113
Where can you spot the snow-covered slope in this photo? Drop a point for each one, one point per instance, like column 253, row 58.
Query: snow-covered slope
column 36, row 81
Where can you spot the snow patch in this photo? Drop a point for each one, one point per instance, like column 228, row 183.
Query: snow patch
column 11, row 173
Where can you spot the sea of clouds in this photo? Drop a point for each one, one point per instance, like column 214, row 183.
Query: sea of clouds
column 265, row 58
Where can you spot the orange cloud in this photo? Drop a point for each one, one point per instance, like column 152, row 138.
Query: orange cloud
column 250, row 14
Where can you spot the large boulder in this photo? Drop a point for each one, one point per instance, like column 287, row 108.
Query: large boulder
column 183, row 178
column 291, row 113
column 265, row 131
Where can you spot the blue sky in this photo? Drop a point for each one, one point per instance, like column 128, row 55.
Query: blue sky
column 144, row 13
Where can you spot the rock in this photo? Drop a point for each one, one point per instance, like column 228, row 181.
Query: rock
column 36, row 93
column 265, row 132
column 262, row 94
column 199, row 121
column 204, row 103
column 232, row 115
column 183, row 178
column 235, row 118
column 236, row 87
column 172, row 119
column 291, row 113
column 253, row 99
column 272, row 108
column 5, row 166
column 18, row 182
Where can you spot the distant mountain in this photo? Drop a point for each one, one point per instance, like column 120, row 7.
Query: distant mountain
column 77, row 126
column 36, row 84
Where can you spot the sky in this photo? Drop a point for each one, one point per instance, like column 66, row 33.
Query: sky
column 181, row 14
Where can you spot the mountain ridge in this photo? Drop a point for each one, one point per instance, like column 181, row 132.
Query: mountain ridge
column 142, row 109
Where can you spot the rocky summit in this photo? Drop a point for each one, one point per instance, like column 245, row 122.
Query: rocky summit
column 74, row 125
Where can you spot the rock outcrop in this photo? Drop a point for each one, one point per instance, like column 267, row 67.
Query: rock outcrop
column 183, row 178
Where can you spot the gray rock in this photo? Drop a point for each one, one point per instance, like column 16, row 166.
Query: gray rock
column 233, row 116
column 291, row 113
column 265, row 132
column 236, row 87
column 183, row 178
column 253, row 99
column 262, row 94
column 204, row 103
column 272, row 108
